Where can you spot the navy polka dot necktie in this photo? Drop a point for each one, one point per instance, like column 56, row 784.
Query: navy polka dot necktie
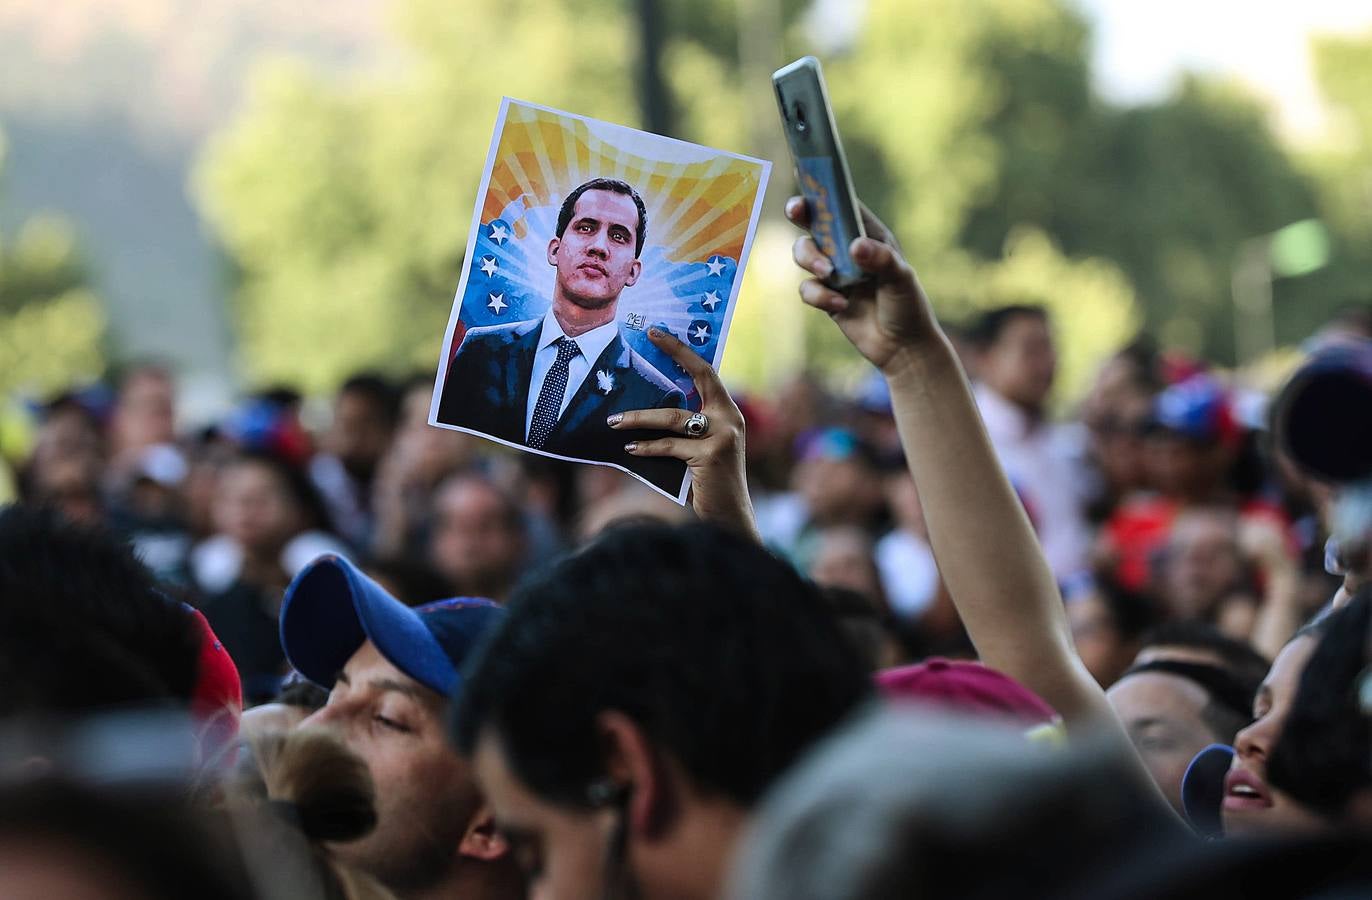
column 550, row 395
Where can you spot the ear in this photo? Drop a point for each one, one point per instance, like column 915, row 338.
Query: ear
column 552, row 250
column 483, row 840
column 631, row 760
column 634, row 271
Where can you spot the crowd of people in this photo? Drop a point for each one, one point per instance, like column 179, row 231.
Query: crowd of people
column 947, row 635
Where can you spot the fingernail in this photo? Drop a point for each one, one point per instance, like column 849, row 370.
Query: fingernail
column 654, row 332
column 615, row 419
column 631, row 446
column 824, row 268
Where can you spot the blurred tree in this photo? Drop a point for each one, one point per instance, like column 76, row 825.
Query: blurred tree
column 51, row 323
column 1343, row 168
column 344, row 206
column 970, row 124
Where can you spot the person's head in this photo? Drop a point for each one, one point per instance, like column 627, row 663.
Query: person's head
column 364, row 418
column 1173, row 710
column 1324, row 755
column 261, row 503
column 601, row 227
column 1203, row 563
column 837, row 477
column 308, row 781
column 63, row 838
column 479, row 540
column 389, row 670
column 1194, row 439
column 869, row 624
column 1201, row 642
column 68, row 460
column 909, row 803
column 845, row 558
column 649, row 688
column 1117, row 412
column 1107, row 626
column 1251, row 805
column 82, row 624
column 145, row 413
column 1016, row 357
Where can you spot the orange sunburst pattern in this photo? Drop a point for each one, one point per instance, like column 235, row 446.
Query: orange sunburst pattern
column 697, row 208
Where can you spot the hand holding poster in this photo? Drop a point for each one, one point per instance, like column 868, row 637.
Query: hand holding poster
column 585, row 235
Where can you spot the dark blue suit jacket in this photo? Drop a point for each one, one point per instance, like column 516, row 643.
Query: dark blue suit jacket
column 487, row 390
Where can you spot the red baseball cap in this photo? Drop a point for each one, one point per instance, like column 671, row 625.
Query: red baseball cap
column 965, row 687
column 217, row 702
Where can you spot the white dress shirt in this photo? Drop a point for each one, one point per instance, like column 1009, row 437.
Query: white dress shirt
column 1042, row 463
column 592, row 343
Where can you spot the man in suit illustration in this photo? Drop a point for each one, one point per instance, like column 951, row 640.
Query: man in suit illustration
column 551, row 383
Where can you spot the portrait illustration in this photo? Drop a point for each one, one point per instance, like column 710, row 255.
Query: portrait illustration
column 585, row 235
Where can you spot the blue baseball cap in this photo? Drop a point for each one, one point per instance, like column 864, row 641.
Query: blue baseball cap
column 331, row 609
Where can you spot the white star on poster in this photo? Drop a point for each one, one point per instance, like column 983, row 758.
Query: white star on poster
column 499, row 234
column 715, row 266
column 488, row 265
column 711, row 300
column 701, row 334
column 497, row 304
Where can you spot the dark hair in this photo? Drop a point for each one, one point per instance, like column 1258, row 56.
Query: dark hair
column 987, row 329
column 1324, row 754
column 82, row 624
column 377, row 390
column 1229, row 702
column 725, row 657
column 152, row 839
column 1247, row 665
column 299, row 487
column 614, row 186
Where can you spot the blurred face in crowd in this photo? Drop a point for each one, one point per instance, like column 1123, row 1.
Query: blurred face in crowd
column 1164, row 715
column 838, row 490
column 1183, row 468
column 1021, row 364
column 254, row 506
column 1252, row 806
column 844, row 559
column 1117, row 439
column 478, row 540
column 146, row 413
column 66, row 465
column 425, row 799
column 1098, row 640
column 359, row 434
column 596, row 255
column 1203, row 564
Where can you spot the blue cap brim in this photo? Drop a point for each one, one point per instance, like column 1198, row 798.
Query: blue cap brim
column 331, row 609
column 1202, row 789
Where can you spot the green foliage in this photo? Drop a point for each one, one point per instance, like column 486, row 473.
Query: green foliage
column 51, row 324
column 970, row 124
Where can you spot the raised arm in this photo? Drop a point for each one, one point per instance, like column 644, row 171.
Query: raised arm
column 987, row 553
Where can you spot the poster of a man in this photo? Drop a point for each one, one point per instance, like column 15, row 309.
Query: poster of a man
column 586, row 234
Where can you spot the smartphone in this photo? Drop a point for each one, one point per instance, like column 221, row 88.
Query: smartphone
column 821, row 167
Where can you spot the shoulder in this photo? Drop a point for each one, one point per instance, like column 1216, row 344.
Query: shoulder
column 492, row 336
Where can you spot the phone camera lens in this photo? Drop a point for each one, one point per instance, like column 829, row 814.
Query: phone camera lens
column 800, row 118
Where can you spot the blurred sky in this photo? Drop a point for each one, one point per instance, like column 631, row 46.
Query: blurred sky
column 1142, row 45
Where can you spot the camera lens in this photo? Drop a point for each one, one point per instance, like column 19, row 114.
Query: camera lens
column 800, row 118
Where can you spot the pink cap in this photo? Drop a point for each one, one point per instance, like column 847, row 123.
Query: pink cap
column 965, row 687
